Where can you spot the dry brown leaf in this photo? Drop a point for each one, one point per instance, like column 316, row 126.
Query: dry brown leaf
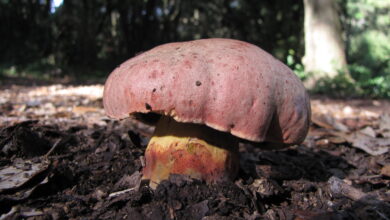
column 368, row 131
column 337, row 140
column 327, row 121
column 386, row 134
column 385, row 171
column 371, row 145
column 62, row 114
column 84, row 109
column 384, row 122
column 384, row 125
column 339, row 187
column 318, row 133
column 19, row 173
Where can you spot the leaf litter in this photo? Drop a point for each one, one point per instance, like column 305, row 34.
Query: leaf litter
column 61, row 158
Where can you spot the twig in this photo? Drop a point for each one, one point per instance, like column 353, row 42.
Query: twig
column 368, row 177
column 381, row 215
column 31, row 213
column 115, row 194
column 54, row 147
column 337, row 186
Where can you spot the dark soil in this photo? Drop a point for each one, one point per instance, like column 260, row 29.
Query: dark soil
column 94, row 170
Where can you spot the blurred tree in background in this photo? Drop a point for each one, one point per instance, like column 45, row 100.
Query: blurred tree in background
column 84, row 37
column 323, row 60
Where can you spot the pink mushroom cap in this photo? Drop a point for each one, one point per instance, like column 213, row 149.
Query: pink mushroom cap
column 229, row 85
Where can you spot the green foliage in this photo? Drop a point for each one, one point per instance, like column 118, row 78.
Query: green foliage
column 367, row 33
column 40, row 69
column 368, row 39
column 339, row 86
column 371, row 69
column 295, row 64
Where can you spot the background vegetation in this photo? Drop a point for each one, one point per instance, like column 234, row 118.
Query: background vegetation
column 89, row 38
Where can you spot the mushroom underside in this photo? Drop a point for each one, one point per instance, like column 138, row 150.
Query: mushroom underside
column 190, row 149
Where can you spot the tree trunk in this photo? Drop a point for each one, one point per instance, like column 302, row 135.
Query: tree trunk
column 324, row 47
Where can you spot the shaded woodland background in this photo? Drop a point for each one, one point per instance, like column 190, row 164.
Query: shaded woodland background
column 87, row 39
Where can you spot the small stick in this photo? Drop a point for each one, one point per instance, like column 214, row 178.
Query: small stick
column 338, row 186
column 55, row 146
column 115, row 194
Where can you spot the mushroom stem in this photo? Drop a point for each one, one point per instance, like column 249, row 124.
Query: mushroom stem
column 190, row 149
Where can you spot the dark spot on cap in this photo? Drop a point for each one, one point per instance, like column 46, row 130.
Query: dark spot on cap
column 198, row 83
column 148, row 107
column 231, row 125
column 154, row 90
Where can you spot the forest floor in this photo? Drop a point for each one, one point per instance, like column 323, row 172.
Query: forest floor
column 62, row 158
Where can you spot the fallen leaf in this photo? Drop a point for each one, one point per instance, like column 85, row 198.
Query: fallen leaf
column 385, row 171
column 18, row 212
column 339, row 187
column 384, row 122
column 84, row 109
column 337, row 140
column 16, row 175
column 62, row 114
column 368, row 131
column 265, row 187
column 371, row 145
column 384, row 125
column 386, row 134
column 129, row 181
column 327, row 121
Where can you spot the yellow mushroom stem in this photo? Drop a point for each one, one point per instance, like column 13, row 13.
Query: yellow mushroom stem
column 190, row 149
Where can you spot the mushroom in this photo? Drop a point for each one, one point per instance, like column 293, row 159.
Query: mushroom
column 209, row 95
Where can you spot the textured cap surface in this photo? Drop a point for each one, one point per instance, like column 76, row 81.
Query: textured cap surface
column 229, row 85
